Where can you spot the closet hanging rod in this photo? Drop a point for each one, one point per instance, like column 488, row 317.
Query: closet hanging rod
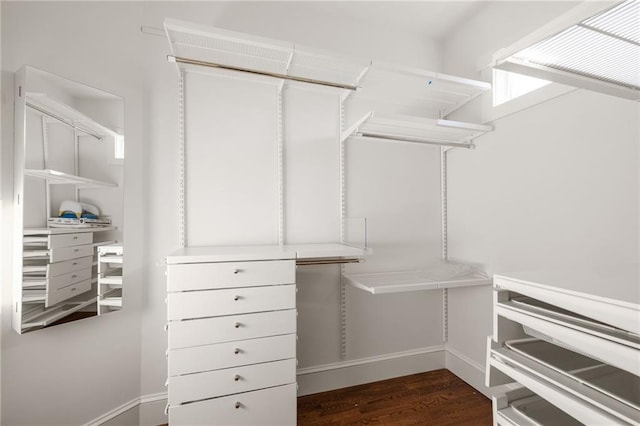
column 63, row 121
column 414, row 140
column 188, row 61
column 327, row 261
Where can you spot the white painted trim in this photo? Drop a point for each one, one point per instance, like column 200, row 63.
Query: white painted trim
column 125, row 407
column 368, row 360
column 467, row 369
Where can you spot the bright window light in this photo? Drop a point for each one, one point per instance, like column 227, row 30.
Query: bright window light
column 118, row 147
column 509, row 85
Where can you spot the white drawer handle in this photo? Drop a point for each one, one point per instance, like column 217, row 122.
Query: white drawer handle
column 237, row 271
column 238, row 405
column 236, row 377
column 73, row 289
column 237, row 325
column 75, row 238
column 236, row 298
column 73, row 276
column 74, row 264
column 237, row 351
column 76, row 250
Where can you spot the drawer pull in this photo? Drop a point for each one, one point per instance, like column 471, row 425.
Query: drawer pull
column 238, row 405
column 236, row 377
column 73, row 289
column 76, row 250
column 237, row 271
column 73, row 276
column 74, row 264
column 75, row 238
column 237, row 325
column 236, row 351
column 236, row 298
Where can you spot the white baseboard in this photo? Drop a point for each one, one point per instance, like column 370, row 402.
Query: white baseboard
column 365, row 370
column 135, row 412
column 148, row 410
column 467, row 369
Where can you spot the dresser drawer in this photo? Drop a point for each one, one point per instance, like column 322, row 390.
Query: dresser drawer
column 183, row 334
column 612, row 347
column 583, row 402
column 521, row 407
column 211, row 384
column 66, row 253
column 203, row 276
column 208, row 303
column 59, row 240
column 64, row 293
column 231, row 354
column 267, row 407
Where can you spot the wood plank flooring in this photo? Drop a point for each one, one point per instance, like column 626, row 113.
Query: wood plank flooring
column 432, row 398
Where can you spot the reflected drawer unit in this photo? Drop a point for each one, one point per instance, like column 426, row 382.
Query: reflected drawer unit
column 570, row 340
column 231, row 337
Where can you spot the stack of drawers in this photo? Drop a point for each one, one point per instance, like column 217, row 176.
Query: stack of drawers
column 56, row 267
column 232, row 342
column 571, row 339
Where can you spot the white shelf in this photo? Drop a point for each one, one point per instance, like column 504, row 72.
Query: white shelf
column 111, row 259
column 115, row 302
column 60, row 178
column 440, row 276
column 111, row 280
column 254, row 54
column 419, row 130
column 403, row 90
column 74, row 230
column 52, row 108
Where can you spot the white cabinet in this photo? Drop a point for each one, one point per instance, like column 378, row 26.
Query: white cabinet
column 570, row 339
column 231, row 338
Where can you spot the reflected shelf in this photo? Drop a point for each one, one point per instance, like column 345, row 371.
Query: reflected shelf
column 60, row 178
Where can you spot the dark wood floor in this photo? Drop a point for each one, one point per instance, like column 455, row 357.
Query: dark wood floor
column 433, row 398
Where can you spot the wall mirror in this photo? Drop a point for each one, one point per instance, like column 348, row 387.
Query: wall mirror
column 68, row 200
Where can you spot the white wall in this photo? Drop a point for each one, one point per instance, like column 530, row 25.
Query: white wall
column 554, row 185
column 46, row 374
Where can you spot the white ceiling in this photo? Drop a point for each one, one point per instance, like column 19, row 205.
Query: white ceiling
column 431, row 19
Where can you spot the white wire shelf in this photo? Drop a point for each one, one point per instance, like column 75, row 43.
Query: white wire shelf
column 60, row 178
column 418, row 130
column 394, row 89
column 437, row 276
column 52, row 108
column 218, row 48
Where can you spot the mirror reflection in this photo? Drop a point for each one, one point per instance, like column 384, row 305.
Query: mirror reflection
column 68, row 178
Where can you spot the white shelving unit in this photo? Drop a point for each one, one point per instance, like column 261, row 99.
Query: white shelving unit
column 109, row 278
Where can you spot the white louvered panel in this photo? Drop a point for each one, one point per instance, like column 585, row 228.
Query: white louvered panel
column 588, row 53
column 621, row 21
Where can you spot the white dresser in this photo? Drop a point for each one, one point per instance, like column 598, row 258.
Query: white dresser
column 570, row 340
column 232, row 336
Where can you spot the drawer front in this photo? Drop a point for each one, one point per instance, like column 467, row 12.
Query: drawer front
column 211, row 384
column 183, row 334
column 55, row 269
column 268, row 407
column 616, row 354
column 61, row 281
column 57, row 296
column 66, row 253
column 208, row 303
column 231, row 354
column 68, row 240
column 203, row 276
column 582, row 402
